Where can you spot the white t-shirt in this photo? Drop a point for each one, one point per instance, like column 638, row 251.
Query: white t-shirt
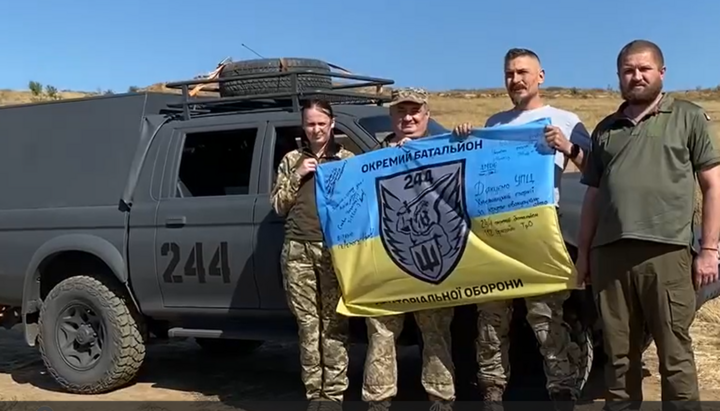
column 570, row 124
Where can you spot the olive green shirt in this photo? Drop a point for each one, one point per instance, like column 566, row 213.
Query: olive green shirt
column 645, row 172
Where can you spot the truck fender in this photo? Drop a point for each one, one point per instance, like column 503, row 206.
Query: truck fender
column 97, row 246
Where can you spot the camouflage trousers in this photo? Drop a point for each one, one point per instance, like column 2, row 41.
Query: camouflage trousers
column 313, row 293
column 545, row 316
column 438, row 373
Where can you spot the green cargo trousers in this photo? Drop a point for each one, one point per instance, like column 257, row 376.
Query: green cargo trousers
column 638, row 283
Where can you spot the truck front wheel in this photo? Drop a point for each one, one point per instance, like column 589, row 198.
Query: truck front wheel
column 90, row 341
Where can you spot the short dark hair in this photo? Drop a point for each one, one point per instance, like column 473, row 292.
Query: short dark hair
column 639, row 46
column 514, row 53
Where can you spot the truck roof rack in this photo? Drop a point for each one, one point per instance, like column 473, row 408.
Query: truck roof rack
column 288, row 99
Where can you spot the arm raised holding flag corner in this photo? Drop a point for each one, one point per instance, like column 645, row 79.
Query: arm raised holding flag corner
column 409, row 112
column 523, row 76
column 571, row 140
column 435, row 224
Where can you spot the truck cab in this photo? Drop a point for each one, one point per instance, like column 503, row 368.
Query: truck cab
column 205, row 191
column 169, row 233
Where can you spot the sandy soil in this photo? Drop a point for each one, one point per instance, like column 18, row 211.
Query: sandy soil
column 181, row 371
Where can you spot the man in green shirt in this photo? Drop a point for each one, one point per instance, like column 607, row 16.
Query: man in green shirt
column 636, row 227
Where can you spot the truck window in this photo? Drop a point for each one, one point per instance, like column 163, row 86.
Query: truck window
column 216, row 163
column 288, row 139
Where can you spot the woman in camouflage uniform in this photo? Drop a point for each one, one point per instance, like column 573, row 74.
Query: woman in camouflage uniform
column 308, row 274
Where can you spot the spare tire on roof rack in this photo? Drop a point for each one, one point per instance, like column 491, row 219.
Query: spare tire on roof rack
column 251, row 87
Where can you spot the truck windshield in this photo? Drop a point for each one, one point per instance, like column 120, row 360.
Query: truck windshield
column 379, row 126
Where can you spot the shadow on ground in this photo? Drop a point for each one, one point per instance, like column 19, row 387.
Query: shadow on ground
column 272, row 374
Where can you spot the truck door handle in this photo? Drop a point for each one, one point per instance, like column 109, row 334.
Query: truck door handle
column 175, row 221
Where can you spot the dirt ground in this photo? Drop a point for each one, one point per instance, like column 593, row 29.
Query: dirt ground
column 181, row 371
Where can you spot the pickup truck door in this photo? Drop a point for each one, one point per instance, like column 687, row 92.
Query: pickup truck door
column 204, row 237
column 281, row 137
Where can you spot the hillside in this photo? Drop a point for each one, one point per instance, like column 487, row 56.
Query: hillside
column 448, row 107
column 26, row 96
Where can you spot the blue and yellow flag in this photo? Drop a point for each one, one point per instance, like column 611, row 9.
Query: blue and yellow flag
column 444, row 221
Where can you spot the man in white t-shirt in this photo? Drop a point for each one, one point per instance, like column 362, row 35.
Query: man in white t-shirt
column 568, row 135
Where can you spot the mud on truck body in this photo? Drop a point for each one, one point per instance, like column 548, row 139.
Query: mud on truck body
column 138, row 217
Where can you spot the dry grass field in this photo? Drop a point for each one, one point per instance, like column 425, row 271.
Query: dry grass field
column 451, row 108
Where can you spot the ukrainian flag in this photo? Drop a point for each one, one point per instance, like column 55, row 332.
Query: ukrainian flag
column 443, row 221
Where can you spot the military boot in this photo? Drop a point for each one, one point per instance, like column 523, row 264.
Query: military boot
column 441, row 405
column 492, row 397
column 313, row 405
column 379, row 406
column 563, row 400
column 324, row 404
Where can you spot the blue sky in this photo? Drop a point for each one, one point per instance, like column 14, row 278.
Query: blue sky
column 91, row 44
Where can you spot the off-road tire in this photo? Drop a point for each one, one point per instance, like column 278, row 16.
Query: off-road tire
column 228, row 347
column 123, row 349
column 237, row 88
column 582, row 354
column 579, row 314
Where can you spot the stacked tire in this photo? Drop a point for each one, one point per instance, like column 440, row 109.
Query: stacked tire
column 283, row 84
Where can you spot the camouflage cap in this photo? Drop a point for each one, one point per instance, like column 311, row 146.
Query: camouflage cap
column 410, row 94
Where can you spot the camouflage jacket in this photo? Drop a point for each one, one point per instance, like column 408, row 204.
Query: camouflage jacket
column 288, row 181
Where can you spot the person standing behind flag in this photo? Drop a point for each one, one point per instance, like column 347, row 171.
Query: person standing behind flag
column 523, row 76
column 409, row 112
column 309, row 278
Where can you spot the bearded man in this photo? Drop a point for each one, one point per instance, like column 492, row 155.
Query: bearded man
column 567, row 135
column 636, row 228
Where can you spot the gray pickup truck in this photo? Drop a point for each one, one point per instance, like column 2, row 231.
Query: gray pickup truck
column 146, row 216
